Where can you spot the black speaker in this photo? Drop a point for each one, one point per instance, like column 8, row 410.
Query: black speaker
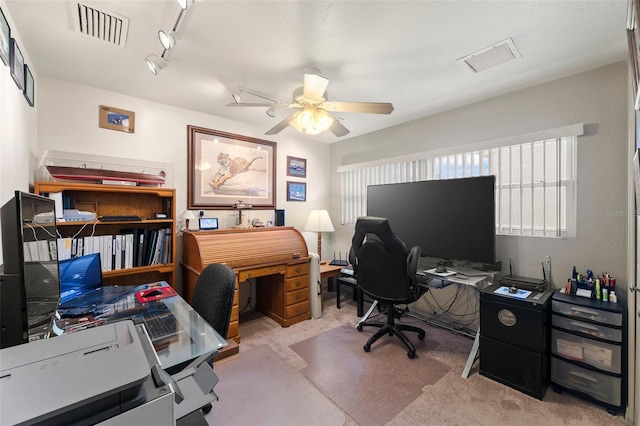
column 279, row 217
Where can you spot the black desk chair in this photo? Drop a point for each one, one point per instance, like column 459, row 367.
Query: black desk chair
column 386, row 271
column 213, row 296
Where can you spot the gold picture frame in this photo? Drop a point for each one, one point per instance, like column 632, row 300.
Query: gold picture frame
column 117, row 119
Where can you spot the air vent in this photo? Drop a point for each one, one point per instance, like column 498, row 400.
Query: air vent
column 492, row 56
column 102, row 25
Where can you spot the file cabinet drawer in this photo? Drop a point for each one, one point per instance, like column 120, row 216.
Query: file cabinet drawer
column 573, row 310
column 596, row 330
column 603, row 356
column 602, row 387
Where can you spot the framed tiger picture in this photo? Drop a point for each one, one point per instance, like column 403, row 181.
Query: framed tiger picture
column 225, row 169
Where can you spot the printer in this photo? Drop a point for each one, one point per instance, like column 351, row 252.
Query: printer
column 104, row 375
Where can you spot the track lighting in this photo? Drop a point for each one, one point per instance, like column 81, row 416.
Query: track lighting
column 184, row 4
column 156, row 63
column 167, row 40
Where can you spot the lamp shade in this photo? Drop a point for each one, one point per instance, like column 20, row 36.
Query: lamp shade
column 319, row 221
column 188, row 214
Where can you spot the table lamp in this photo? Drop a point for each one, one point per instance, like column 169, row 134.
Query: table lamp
column 186, row 215
column 319, row 221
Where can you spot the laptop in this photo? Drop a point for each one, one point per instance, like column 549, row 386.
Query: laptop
column 207, row 223
column 81, row 283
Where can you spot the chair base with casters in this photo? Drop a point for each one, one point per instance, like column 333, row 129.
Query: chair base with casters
column 392, row 329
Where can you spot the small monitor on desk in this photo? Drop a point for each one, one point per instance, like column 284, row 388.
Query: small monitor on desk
column 208, row 223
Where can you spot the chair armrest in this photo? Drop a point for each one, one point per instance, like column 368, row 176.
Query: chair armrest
column 412, row 260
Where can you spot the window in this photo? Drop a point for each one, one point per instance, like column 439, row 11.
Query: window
column 535, row 179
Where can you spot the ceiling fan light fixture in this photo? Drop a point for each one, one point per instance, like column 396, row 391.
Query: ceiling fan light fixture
column 167, row 40
column 312, row 120
column 271, row 112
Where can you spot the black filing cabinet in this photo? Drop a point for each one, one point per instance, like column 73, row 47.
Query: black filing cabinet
column 588, row 354
column 514, row 339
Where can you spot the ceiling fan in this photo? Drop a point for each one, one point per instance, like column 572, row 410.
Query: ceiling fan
column 313, row 115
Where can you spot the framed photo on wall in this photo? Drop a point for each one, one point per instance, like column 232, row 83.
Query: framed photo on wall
column 117, row 119
column 5, row 38
column 28, row 85
column 296, row 167
column 225, row 169
column 296, row 191
column 17, row 64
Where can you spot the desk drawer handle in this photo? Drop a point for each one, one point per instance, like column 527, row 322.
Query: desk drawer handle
column 298, row 283
column 298, row 269
column 297, row 296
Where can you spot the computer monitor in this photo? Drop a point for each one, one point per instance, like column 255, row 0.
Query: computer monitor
column 29, row 247
column 450, row 219
column 207, row 223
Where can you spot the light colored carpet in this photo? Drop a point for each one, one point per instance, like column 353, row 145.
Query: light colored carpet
column 259, row 387
column 370, row 387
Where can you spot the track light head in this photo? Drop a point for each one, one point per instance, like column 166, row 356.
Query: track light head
column 155, row 63
column 167, row 40
column 185, row 4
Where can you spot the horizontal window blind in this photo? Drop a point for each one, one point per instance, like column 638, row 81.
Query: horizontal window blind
column 535, row 179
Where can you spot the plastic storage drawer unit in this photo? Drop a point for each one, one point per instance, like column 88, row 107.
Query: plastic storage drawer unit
column 588, row 354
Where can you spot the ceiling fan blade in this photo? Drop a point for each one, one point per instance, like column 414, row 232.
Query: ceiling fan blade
column 258, row 94
column 314, row 86
column 338, row 129
column 254, row 104
column 366, row 107
column 281, row 125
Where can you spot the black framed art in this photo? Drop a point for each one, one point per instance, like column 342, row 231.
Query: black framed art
column 17, row 64
column 5, row 38
column 28, row 85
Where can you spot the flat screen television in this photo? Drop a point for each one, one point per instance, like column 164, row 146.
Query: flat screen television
column 450, row 219
column 29, row 248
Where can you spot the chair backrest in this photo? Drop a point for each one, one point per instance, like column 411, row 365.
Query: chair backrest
column 384, row 267
column 213, row 296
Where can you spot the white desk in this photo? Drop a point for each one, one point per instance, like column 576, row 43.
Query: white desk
column 478, row 282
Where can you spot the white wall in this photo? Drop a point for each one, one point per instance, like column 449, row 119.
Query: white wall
column 17, row 128
column 597, row 98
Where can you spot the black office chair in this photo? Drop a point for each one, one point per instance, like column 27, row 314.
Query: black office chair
column 213, row 296
column 386, row 271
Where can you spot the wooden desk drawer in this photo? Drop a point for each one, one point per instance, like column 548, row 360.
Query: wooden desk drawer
column 297, row 296
column 297, row 283
column 297, row 309
column 298, row 269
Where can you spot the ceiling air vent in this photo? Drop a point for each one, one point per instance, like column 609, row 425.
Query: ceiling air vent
column 102, row 25
column 492, row 56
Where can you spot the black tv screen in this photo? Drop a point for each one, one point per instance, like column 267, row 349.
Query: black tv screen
column 451, row 219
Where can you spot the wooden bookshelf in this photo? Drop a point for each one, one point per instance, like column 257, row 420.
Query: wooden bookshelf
column 115, row 200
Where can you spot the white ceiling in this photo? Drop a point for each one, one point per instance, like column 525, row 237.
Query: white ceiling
column 403, row 52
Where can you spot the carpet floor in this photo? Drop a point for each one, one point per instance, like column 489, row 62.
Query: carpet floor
column 360, row 382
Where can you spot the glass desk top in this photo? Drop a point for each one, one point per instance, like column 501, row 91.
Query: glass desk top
column 178, row 333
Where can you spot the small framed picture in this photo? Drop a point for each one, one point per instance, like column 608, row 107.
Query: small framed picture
column 17, row 64
column 117, row 119
column 296, row 167
column 5, row 38
column 28, row 85
column 296, row 191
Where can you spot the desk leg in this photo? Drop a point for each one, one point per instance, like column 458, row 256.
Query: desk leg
column 472, row 355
